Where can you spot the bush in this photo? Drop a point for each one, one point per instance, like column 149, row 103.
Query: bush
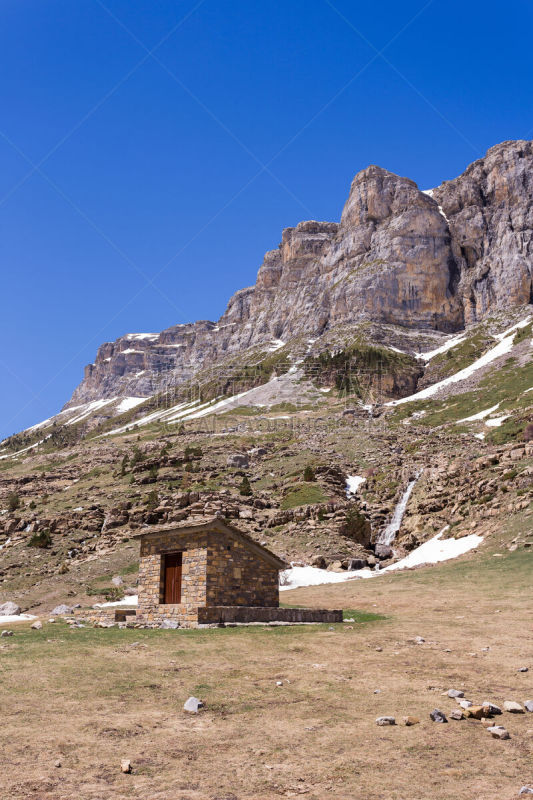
column 153, row 473
column 124, row 464
column 309, row 473
column 152, row 499
column 245, row 489
column 137, row 456
column 13, row 501
column 41, row 539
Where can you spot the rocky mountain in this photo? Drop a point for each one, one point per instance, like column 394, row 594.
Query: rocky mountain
column 419, row 261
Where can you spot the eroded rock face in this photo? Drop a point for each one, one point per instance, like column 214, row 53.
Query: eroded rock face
column 490, row 216
column 425, row 260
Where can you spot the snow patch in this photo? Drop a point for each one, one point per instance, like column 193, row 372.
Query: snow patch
column 436, row 550
column 353, row 482
column 17, row 618
column 479, row 415
column 495, row 422
column 128, row 403
column 129, row 600
column 453, row 342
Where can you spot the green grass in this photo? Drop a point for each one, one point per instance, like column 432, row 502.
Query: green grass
column 303, row 495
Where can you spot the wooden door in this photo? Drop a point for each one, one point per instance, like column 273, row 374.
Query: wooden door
column 172, row 593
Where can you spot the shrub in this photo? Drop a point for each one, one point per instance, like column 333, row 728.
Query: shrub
column 33, row 505
column 137, row 456
column 309, row 473
column 153, row 473
column 124, row 464
column 41, row 539
column 152, row 499
column 13, row 501
column 245, row 489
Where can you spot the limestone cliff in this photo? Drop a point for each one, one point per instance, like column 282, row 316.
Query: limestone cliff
column 433, row 260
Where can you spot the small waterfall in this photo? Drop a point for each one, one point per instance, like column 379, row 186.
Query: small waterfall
column 388, row 534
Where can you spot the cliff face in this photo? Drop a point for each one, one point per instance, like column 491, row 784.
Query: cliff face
column 432, row 260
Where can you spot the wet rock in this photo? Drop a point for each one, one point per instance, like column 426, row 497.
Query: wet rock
column 438, row 716
column 193, row 705
column 9, row 609
column 383, row 551
column 382, row 721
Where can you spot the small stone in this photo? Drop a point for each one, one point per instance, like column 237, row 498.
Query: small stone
column 491, row 708
column 499, row 732
column 51, row 620
column 61, row 609
column 523, row 669
column 419, row 639
column 379, row 649
column 455, row 693
column 438, row 716
column 513, row 708
column 456, row 714
column 170, row 624
column 475, row 712
column 37, row 625
column 528, row 705
column 465, row 703
column 125, row 766
column 57, row 763
column 526, row 790
column 385, row 721
column 279, row 683
column 6, row 633
column 410, row 721
column 117, row 580
column 193, row 705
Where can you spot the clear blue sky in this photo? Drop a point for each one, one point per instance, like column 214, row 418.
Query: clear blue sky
column 150, row 152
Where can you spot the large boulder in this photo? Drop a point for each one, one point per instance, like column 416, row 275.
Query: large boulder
column 237, row 460
column 9, row 609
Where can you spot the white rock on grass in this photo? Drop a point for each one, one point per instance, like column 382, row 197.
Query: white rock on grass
column 455, row 693
column 9, row 609
column 513, row 708
column 385, row 721
column 6, row 633
column 61, row 609
column 193, row 705
column 499, row 732
column 125, row 766
column 37, row 625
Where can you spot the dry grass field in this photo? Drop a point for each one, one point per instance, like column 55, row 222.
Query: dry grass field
column 88, row 698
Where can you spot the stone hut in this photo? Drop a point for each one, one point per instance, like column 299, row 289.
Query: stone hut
column 203, row 573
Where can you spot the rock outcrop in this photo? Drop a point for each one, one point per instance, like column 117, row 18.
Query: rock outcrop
column 433, row 260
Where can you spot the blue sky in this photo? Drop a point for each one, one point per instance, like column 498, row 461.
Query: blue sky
column 150, row 153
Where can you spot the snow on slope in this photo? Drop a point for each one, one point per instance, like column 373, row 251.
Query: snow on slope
column 431, row 552
column 505, row 343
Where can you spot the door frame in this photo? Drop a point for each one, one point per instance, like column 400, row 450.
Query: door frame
column 163, row 581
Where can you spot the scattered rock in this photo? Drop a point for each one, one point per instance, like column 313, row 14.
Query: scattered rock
column 499, row 732
column 528, row 705
column 465, row 703
column 125, row 766
column 385, row 721
column 456, row 714
column 523, row 669
column 237, row 460
column 193, row 705
column 61, row 609
column 6, row 633
column 438, row 716
column 492, row 709
column 383, row 551
column 117, row 580
column 475, row 712
column 526, row 790
column 9, row 609
column 57, row 763
column 37, row 625
column 455, row 693
column 513, row 707
column 410, row 721
column 419, row 639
